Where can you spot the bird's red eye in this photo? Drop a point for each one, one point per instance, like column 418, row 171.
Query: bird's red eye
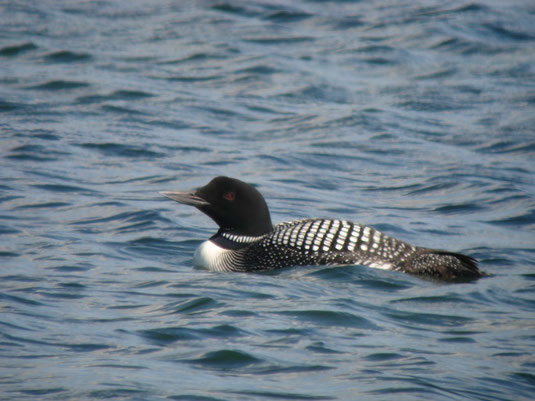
column 229, row 196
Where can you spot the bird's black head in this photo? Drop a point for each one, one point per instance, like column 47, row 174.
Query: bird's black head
column 233, row 204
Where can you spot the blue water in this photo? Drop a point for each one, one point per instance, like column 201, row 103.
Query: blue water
column 414, row 117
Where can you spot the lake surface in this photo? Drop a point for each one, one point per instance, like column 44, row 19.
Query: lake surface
column 417, row 118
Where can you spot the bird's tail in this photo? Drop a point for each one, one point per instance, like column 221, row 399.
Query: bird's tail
column 443, row 265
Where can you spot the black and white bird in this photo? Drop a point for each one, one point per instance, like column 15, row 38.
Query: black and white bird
column 247, row 240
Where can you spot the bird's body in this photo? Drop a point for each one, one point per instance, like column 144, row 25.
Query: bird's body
column 247, row 241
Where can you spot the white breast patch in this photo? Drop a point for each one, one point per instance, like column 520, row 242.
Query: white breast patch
column 211, row 257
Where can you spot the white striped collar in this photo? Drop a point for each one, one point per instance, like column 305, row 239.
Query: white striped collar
column 241, row 239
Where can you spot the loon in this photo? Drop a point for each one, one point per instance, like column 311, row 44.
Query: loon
column 247, row 241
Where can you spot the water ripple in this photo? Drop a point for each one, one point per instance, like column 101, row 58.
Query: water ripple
column 60, row 85
column 121, row 150
column 168, row 335
column 66, row 56
column 225, row 359
column 331, row 318
column 15, row 50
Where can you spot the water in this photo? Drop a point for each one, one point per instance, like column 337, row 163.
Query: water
column 414, row 117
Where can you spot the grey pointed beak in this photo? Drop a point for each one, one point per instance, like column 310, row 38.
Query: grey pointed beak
column 185, row 197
